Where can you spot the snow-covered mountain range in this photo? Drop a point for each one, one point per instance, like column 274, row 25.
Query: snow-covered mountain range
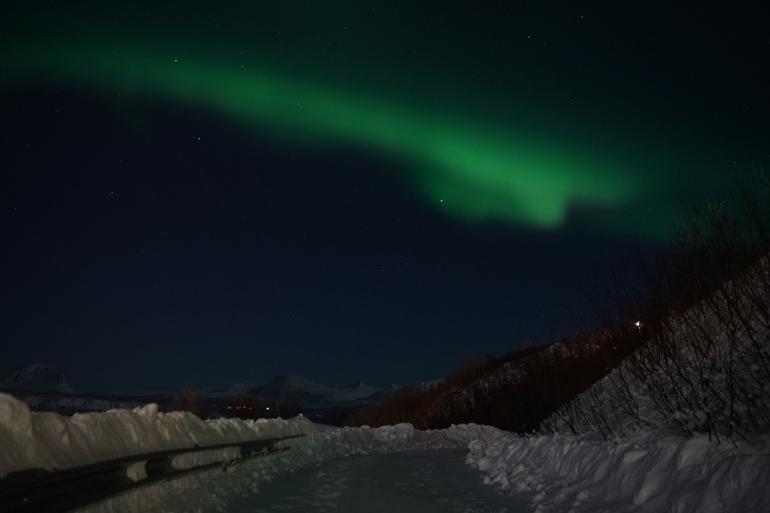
column 38, row 377
column 304, row 391
column 44, row 387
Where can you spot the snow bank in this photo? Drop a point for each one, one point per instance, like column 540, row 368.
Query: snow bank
column 647, row 473
column 51, row 441
column 702, row 371
column 223, row 491
column 640, row 474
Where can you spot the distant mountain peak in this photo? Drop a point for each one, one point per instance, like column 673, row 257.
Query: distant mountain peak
column 308, row 393
column 231, row 390
column 311, row 392
column 37, row 377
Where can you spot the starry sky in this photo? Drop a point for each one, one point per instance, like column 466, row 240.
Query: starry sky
column 198, row 194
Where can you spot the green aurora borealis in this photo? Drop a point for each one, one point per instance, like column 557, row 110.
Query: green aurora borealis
column 473, row 172
column 501, row 167
column 202, row 193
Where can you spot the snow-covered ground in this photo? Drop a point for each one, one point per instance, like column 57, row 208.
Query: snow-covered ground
column 643, row 473
column 411, row 481
column 702, row 371
column 646, row 473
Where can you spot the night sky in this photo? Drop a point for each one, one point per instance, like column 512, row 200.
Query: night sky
column 202, row 193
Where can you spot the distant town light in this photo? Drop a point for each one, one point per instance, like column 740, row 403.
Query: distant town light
column 267, row 408
column 638, row 324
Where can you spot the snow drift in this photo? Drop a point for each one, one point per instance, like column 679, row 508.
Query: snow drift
column 52, row 441
column 641, row 474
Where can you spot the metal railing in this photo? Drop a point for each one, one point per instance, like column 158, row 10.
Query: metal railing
column 44, row 491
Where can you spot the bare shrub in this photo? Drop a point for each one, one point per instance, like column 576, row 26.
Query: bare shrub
column 190, row 401
column 704, row 365
column 515, row 392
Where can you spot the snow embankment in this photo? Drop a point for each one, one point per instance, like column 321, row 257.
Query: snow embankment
column 646, row 473
column 51, row 441
column 702, row 371
column 642, row 473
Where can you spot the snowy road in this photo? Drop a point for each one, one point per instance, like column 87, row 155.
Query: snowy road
column 420, row 482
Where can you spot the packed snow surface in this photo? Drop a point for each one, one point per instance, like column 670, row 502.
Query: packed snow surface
column 645, row 473
column 411, row 481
